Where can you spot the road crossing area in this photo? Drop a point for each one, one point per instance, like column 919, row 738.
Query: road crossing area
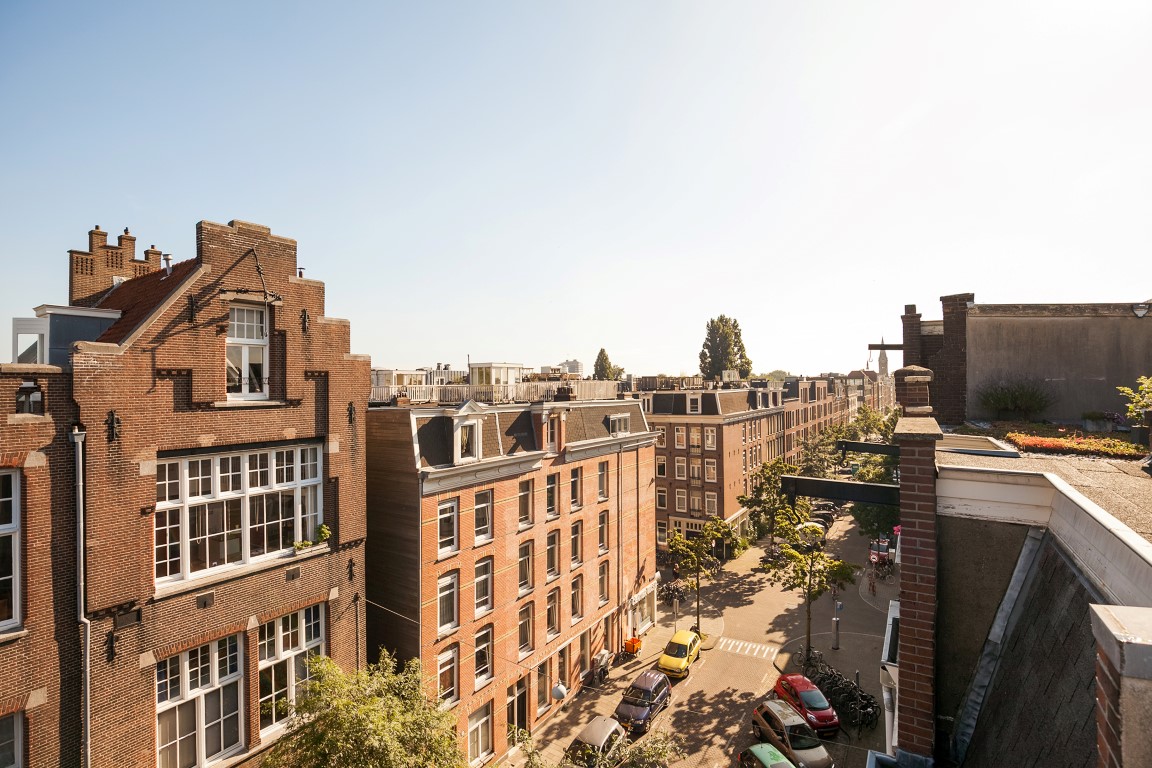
column 747, row 648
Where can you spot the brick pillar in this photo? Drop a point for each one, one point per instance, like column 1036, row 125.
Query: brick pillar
column 911, row 322
column 1123, row 684
column 916, row 434
column 950, row 389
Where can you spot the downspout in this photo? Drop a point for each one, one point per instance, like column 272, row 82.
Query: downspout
column 78, row 436
column 620, row 547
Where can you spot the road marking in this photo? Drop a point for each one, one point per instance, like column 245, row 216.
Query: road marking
column 748, row 648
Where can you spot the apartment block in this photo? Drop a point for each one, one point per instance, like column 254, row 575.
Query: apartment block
column 508, row 544
column 182, row 514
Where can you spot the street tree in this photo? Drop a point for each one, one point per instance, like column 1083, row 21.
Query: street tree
column 723, row 349
column 603, row 369
column 379, row 717
column 806, row 568
column 656, row 750
column 778, row 374
column 696, row 555
column 768, row 508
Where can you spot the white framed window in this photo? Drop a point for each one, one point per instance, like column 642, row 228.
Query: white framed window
column 483, row 526
column 602, row 580
column 710, row 470
column 694, row 502
column 447, row 679
column 525, row 499
column 448, row 602
column 694, row 469
column 283, row 649
column 661, row 532
column 577, row 599
column 694, row 438
column 577, row 488
column 466, row 441
column 681, row 468
column 484, row 670
column 483, row 586
column 246, row 350
column 710, row 438
column 681, row 500
column 551, row 431
column 551, row 495
column 11, row 740
column 693, row 403
column 661, row 436
column 221, row 511
column 524, row 634
column 602, row 481
column 661, row 498
column 198, row 705
column 448, row 527
column 710, row 502
column 553, row 613
column 679, row 432
column 480, row 734
column 619, row 424
column 577, row 542
column 543, row 686
column 524, row 567
column 9, row 550
column 602, row 536
column 552, row 559
column 661, row 466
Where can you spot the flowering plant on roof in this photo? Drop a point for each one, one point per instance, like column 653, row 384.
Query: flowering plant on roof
column 1077, row 444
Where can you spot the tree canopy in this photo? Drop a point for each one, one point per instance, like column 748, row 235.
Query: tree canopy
column 723, row 349
column 379, row 717
column 603, row 369
column 808, row 569
column 695, row 556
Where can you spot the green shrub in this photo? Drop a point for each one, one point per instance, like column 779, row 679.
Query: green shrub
column 1026, row 397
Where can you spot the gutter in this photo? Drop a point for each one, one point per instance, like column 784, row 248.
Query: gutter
column 78, row 436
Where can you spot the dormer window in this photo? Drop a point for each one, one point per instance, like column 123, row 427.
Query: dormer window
column 466, row 441
column 247, row 353
column 693, row 403
column 619, row 424
column 29, row 398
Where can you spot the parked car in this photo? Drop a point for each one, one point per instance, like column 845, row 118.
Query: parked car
column 812, row 536
column 807, row 699
column 647, row 697
column 597, row 744
column 764, row 756
column 777, row 723
column 824, row 518
column 679, row 654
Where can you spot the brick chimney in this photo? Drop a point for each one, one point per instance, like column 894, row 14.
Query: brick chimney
column 94, row 272
column 917, row 434
column 1123, row 684
column 911, row 322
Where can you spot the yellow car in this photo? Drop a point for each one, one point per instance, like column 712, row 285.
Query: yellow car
column 680, row 652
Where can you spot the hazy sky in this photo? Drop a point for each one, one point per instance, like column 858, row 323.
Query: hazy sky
column 531, row 181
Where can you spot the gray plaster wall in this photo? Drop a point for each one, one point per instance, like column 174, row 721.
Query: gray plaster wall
column 975, row 565
column 1083, row 351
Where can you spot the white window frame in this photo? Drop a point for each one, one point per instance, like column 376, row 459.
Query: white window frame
column 525, row 567
column 678, row 432
column 485, row 606
column 681, row 500
column 480, row 735
column 17, row 741
column 552, row 554
column 10, row 539
column 710, row 502
column 448, row 510
column 709, row 438
column 693, row 404
column 576, row 488
column 709, row 470
column 485, row 642
column 604, row 582
column 246, row 345
column 245, row 486
column 552, row 496
column 552, row 614
column 695, row 470
column 602, row 481
column 577, row 599
column 661, row 435
column 694, row 438
column 448, row 584
column 461, row 428
column 576, row 539
column 292, row 654
column 526, row 502
column 603, row 531
column 661, row 532
column 661, row 466
column 619, row 424
column 173, row 678
column 661, row 498
column 681, row 468
column 483, row 506
column 695, row 503
column 524, row 628
column 448, row 660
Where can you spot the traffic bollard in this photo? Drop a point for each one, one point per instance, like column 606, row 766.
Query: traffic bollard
column 836, row 633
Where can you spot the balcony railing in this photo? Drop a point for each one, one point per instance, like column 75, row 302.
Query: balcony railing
column 495, row 393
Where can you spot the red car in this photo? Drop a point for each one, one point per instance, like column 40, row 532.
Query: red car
column 807, row 699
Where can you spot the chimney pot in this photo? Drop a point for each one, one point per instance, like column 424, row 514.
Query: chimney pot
column 126, row 230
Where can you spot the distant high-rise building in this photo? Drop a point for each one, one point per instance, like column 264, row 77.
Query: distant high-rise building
column 574, row 367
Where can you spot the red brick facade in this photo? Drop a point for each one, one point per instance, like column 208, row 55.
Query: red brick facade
column 152, row 391
column 942, row 347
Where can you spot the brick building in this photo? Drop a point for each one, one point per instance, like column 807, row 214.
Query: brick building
column 194, row 422
column 710, row 442
column 508, row 544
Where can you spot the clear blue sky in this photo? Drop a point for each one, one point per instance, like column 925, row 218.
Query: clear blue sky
column 531, row 181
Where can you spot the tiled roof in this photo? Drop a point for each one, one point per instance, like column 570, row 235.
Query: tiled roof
column 139, row 297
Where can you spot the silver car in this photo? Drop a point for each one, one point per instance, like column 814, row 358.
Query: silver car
column 777, row 723
column 598, row 744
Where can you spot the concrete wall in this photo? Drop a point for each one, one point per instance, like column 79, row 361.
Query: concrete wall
column 1083, row 351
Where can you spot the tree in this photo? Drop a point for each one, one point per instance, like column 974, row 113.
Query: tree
column 723, row 349
column 695, row 555
column 778, row 374
column 656, row 750
column 809, row 569
column 379, row 717
column 768, row 507
column 603, row 369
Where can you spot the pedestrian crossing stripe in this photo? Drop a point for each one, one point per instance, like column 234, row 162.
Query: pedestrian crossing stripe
column 748, row 648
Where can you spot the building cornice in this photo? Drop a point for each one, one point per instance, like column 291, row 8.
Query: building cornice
column 438, row 479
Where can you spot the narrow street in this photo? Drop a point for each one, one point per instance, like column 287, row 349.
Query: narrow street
column 752, row 629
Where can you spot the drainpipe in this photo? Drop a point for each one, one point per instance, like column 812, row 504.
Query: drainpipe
column 78, row 436
column 622, row 601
